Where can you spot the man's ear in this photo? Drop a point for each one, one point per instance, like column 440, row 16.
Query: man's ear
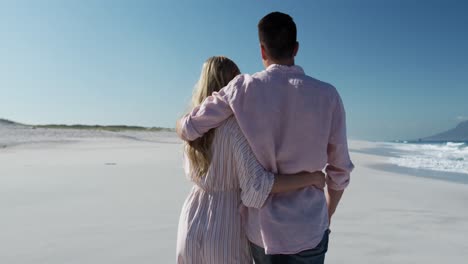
column 264, row 55
column 296, row 49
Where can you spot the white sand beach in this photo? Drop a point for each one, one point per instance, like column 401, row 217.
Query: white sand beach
column 117, row 200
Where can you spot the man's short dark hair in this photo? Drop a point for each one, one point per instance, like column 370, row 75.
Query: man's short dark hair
column 277, row 32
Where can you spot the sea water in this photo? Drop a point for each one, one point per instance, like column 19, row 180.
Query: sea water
column 440, row 156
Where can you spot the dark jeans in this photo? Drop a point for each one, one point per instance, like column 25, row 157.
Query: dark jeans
column 311, row 256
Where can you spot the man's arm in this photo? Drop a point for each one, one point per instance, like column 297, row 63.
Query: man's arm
column 210, row 114
column 339, row 163
column 333, row 199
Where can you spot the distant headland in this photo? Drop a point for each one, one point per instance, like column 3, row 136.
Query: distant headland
column 113, row 128
column 457, row 134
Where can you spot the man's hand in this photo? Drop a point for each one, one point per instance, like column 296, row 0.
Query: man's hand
column 179, row 128
column 333, row 198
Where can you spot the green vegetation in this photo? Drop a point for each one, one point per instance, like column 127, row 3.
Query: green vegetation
column 114, row 128
column 8, row 122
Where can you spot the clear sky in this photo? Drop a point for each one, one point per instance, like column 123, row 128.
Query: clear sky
column 401, row 66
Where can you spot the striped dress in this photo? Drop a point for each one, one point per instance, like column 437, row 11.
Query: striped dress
column 210, row 229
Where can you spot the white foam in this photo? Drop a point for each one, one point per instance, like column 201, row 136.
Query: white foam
column 449, row 157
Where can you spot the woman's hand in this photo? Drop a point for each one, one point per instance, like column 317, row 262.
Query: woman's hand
column 317, row 179
column 291, row 182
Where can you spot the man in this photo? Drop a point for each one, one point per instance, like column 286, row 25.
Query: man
column 293, row 123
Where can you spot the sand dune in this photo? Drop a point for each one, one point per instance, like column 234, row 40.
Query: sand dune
column 117, row 200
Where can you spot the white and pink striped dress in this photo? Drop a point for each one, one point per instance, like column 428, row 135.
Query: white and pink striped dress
column 210, row 228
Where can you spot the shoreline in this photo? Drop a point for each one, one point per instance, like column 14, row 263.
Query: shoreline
column 391, row 155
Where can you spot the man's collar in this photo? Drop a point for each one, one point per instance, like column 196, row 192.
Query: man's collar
column 285, row 68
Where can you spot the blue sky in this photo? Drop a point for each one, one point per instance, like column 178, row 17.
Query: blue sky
column 400, row 66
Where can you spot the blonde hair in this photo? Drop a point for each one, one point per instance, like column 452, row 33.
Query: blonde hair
column 216, row 73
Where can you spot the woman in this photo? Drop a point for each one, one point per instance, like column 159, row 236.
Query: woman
column 226, row 174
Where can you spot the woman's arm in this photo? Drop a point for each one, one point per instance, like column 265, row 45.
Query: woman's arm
column 291, row 182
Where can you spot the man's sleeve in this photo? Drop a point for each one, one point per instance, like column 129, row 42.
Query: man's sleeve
column 339, row 163
column 210, row 114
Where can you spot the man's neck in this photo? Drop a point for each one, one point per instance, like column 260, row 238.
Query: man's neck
column 288, row 62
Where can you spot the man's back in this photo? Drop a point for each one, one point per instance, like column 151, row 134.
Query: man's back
column 293, row 123
column 289, row 119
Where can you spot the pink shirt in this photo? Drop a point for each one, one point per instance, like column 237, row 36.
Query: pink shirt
column 293, row 123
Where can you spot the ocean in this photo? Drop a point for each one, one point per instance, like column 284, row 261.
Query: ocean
column 447, row 161
column 440, row 156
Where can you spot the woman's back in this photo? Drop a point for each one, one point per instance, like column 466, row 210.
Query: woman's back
column 221, row 175
column 210, row 229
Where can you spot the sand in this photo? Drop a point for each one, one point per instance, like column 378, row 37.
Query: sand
column 387, row 217
column 117, row 200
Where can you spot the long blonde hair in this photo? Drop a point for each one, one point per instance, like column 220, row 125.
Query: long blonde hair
column 216, row 73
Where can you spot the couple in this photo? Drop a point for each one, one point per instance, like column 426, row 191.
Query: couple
column 256, row 146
